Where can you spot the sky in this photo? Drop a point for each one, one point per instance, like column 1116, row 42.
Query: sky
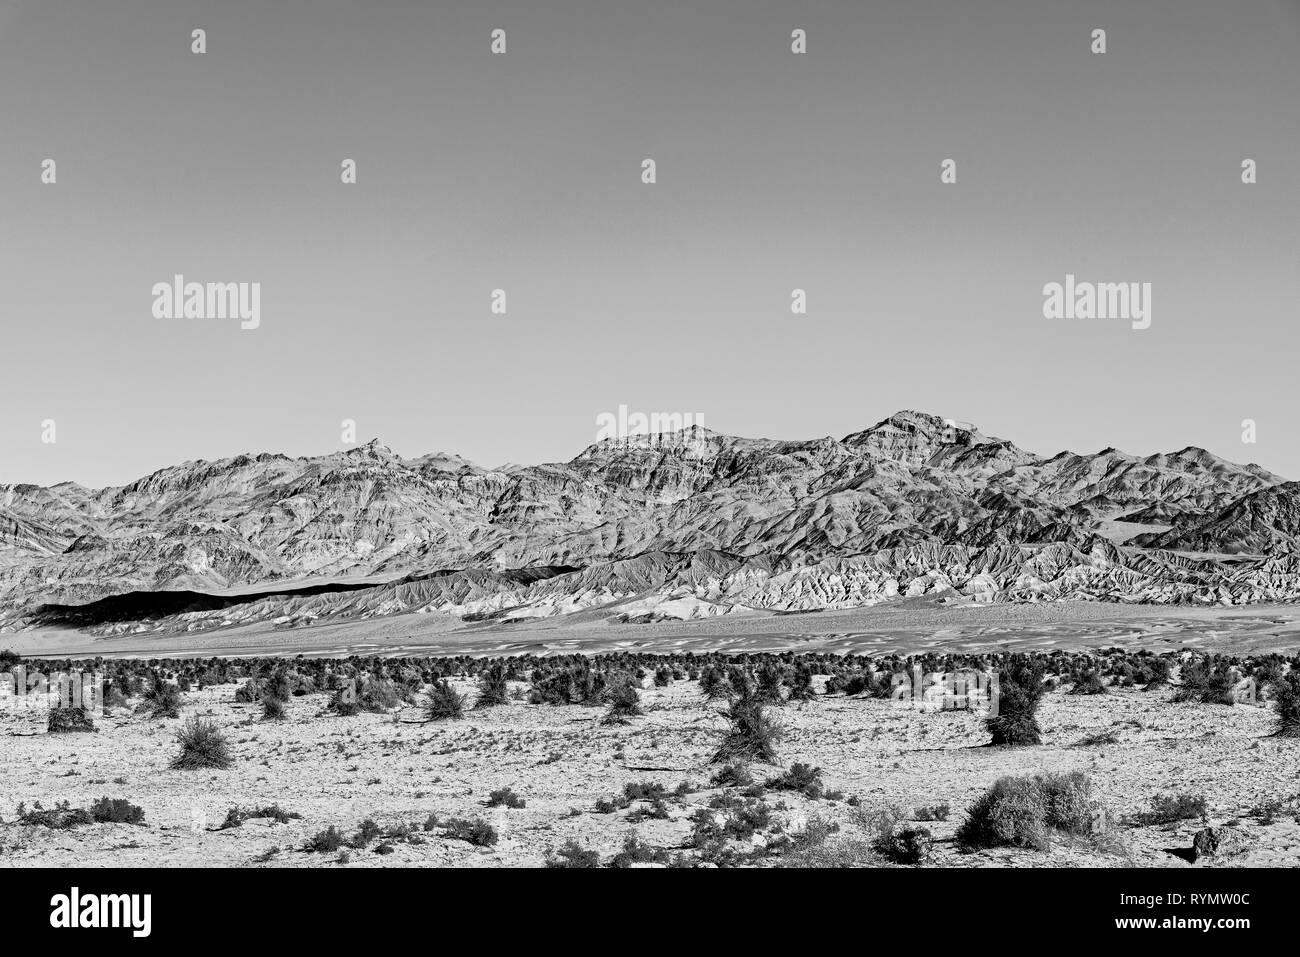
column 522, row 171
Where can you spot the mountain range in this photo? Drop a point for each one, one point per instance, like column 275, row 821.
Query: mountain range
column 679, row 525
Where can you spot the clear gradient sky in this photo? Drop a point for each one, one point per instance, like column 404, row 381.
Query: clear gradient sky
column 522, row 171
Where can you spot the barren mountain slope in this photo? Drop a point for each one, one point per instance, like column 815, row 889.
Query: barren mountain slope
column 696, row 521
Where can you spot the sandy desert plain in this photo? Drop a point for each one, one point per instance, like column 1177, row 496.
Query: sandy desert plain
column 893, row 784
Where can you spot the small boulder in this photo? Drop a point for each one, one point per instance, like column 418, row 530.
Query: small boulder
column 1217, row 842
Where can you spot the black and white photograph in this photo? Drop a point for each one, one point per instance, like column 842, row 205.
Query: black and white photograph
column 767, row 435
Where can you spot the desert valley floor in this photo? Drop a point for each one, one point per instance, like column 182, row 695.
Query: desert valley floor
column 877, row 758
column 907, row 627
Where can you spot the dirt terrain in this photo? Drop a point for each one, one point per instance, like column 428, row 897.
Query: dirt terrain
column 398, row 769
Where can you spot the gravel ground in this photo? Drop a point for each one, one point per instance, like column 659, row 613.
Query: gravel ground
column 398, row 770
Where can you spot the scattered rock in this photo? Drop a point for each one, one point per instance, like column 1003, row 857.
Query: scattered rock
column 1218, row 842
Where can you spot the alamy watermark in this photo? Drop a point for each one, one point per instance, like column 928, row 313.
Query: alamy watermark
column 21, row 690
column 660, row 430
column 961, row 690
column 1098, row 300
column 179, row 299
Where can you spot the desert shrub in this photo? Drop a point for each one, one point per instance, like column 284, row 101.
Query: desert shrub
column 752, row 736
column 733, row 774
column 379, row 695
column 874, row 684
column 713, row 683
column 116, row 811
column 745, row 816
column 1097, row 739
column 1206, row 682
column 907, row 845
column 802, row 778
column 366, row 833
column 444, row 702
column 132, row 684
column 610, row 805
column 643, row 790
column 202, row 746
column 492, row 687
column 1267, row 674
column 1024, row 811
column 849, row 683
column 663, row 676
column 1070, row 804
column 477, row 832
column 325, row 842
column 1020, row 691
column 727, row 818
column 236, row 817
column 1088, row 682
column 933, row 812
column 504, row 797
column 771, row 677
column 69, row 720
column 1287, row 692
column 801, row 685
column 814, row 833
column 656, row 810
column 1152, row 672
column 304, row 685
column 574, row 684
column 278, row 685
column 274, row 709
column 61, row 817
column 573, row 854
column 649, row 791
column 740, row 684
column 1170, row 808
column 344, row 702
column 113, row 697
column 636, row 852
column 163, row 700
column 624, row 704
column 836, row 852
column 1012, row 812
column 1270, row 809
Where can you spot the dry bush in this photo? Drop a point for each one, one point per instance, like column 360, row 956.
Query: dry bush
column 492, row 687
column 116, row 811
column 1287, row 692
column 505, row 797
column 1020, row 691
column 163, row 700
column 1170, row 808
column 624, row 704
column 69, row 720
column 444, row 702
column 1025, row 811
column 202, row 746
column 753, row 734
column 571, row 855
